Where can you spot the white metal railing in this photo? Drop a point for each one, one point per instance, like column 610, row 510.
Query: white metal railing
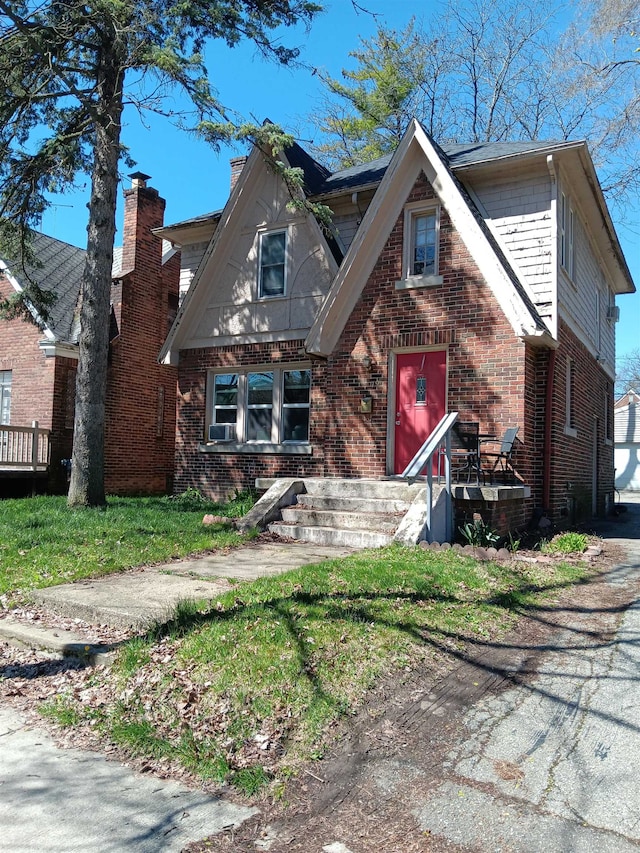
column 438, row 444
column 24, row 447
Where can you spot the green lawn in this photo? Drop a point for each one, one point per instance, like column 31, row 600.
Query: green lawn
column 43, row 543
column 247, row 688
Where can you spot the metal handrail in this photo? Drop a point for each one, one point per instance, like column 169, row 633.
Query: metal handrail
column 439, row 438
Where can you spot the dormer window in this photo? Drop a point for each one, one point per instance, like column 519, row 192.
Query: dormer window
column 272, row 270
column 421, row 238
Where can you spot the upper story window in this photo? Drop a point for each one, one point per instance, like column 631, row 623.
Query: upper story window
column 5, row 396
column 567, row 227
column 272, row 266
column 423, row 244
column 420, row 253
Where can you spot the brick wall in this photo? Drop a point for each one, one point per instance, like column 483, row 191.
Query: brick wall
column 488, row 371
column 33, row 382
column 140, row 414
column 572, row 456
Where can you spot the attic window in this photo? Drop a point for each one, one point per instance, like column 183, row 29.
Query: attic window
column 272, row 272
column 420, row 255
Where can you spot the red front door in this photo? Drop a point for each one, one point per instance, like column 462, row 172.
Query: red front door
column 421, row 392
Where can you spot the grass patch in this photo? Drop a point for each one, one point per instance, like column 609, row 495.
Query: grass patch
column 567, row 543
column 43, row 542
column 247, row 688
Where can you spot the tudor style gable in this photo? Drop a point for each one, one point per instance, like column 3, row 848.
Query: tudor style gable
column 265, row 273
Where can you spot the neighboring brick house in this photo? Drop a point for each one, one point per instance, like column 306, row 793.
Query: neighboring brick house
column 475, row 278
column 38, row 362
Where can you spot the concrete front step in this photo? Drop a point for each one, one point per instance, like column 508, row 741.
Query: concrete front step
column 332, row 535
column 385, row 489
column 382, row 523
column 352, row 504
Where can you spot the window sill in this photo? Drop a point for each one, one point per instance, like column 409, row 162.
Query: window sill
column 414, row 282
column 572, row 432
column 257, row 448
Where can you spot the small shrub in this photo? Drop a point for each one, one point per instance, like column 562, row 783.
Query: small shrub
column 190, row 499
column 479, row 534
column 514, row 544
column 566, row 543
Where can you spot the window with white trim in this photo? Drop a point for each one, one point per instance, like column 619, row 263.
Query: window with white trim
column 567, row 235
column 272, row 267
column 422, row 244
column 420, row 250
column 5, row 396
column 225, row 403
column 261, row 406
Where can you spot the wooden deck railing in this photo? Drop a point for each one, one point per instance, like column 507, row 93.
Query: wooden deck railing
column 24, row 448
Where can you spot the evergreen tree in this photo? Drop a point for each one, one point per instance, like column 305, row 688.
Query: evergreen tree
column 67, row 68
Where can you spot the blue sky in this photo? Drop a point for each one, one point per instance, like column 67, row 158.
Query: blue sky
column 194, row 179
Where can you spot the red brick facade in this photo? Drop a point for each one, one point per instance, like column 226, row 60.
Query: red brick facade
column 493, row 378
column 140, row 417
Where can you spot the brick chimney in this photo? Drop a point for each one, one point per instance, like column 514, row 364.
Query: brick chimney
column 237, row 165
column 143, row 210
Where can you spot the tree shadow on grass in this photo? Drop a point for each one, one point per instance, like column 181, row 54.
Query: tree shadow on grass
column 567, row 628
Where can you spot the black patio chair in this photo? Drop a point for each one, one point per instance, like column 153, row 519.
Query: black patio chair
column 465, row 460
column 502, row 458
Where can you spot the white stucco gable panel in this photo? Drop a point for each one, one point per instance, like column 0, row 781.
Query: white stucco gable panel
column 224, row 302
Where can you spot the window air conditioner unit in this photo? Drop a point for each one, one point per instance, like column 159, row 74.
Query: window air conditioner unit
column 613, row 313
column 222, row 432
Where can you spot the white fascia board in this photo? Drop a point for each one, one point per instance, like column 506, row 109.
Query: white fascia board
column 415, row 153
column 51, row 349
column 4, row 269
column 362, row 256
column 480, row 249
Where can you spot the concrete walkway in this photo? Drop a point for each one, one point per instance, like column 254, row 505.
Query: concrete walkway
column 142, row 596
column 65, row 800
column 553, row 763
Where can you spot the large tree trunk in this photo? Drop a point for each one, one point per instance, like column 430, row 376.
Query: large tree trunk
column 87, row 473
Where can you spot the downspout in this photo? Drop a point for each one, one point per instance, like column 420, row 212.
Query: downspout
column 546, row 459
column 551, row 365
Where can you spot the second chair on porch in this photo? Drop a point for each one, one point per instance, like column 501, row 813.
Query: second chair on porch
column 501, row 459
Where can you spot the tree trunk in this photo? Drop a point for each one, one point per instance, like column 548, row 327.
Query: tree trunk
column 87, row 472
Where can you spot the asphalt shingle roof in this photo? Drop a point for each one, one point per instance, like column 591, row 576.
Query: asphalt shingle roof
column 458, row 154
column 60, row 273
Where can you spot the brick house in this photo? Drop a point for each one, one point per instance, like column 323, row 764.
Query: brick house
column 38, row 361
column 476, row 278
